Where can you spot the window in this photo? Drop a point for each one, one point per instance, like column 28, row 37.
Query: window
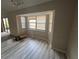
column 32, row 22
column 23, row 22
column 41, row 22
column 37, row 22
column 6, row 24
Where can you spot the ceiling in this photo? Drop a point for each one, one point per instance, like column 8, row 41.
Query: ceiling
column 7, row 6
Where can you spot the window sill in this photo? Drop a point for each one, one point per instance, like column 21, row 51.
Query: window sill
column 37, row 30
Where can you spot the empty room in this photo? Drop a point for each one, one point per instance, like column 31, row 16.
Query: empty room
column 39, row 29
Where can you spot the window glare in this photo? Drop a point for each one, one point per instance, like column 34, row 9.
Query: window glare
column 41, row 26
column 37, row 22
column 41, row 21
column 23, row 22
column 32, row 20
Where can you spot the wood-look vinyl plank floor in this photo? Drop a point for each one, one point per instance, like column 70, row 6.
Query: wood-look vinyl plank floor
column 28, row 49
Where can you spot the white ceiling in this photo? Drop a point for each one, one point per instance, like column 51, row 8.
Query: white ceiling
column 7, row 6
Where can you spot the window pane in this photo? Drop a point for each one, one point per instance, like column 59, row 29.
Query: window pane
column 23, row 22
column 7, row 23
column 41, row 19
column 4, row 22
column 41, row 26
column 32, row 20
column 32, row 25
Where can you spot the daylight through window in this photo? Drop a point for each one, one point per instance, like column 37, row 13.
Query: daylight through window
column 37, row 22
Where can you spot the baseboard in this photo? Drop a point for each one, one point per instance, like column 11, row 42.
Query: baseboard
column 60, row 50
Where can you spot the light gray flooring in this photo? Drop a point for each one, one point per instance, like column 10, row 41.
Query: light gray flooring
column 28, row 49
column 5, row 36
